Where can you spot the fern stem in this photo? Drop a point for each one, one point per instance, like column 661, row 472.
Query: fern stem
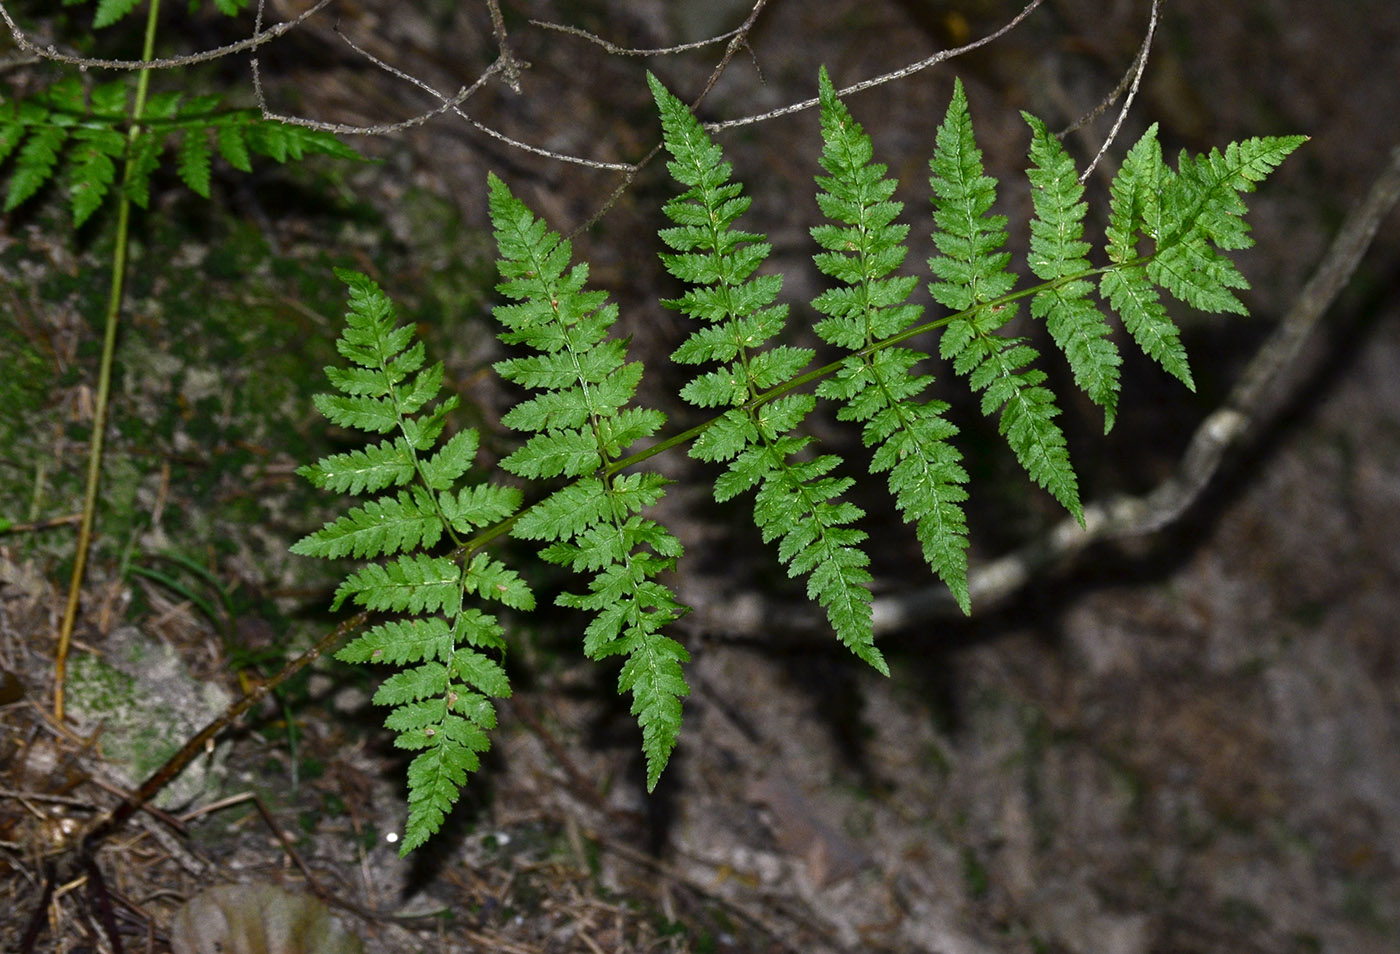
column 479, row 540
column 104, row 379
column 816, row 374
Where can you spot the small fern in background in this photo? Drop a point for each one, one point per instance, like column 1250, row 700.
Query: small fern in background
column 579, row 424
column 81, row 138
column 108, row 142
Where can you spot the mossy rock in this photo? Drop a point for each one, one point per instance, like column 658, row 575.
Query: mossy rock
column 147, row 705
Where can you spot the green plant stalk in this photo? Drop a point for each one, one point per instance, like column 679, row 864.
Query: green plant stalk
column 104, row 377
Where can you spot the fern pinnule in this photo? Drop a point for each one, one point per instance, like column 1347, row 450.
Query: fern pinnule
column 880, row 387
column 440, row 707
column 971, row 272
column 582, row 423
column 797, row 503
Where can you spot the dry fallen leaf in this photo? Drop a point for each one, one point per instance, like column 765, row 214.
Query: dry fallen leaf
column 258, row 919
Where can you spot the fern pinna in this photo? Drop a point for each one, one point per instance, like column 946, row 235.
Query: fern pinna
column 82, row 137
column 582, row 427
column 441, row 705
column 797, row 500
column 580, row 424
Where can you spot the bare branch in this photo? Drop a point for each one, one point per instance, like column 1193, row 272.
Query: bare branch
column 616, row 50
column 1135, row 72
column 880, row 80
column 510, row 66
column 740, row 39
column 259, row 38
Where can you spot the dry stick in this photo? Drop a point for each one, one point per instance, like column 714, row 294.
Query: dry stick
column 1141, row 67
column 884, row 78
column 616, row 50
column 1130, row 78
column 510, row 66
column 170, row 62
column 1255, row 396
column 740, row 38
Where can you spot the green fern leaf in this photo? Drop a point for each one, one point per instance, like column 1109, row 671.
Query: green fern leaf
column 91, row 169
column 493, row 580
column 880, row 388
column 477, row 506
column 387, row 525
column 440, row 706
column 1133, row 204
column 1202, row 213
column 389, row 463
column 193, row 161
column 109, row 100
column 143, row 159
column 971, row 272
column 35, row 163
column 233, row 146
column 15, row 126
column 110, row 11
column 1134, row 298
column 401, row 641
column 414, row 584
column 164, row 105
column 793, row 505
column 581, row 422
column 1057, row 255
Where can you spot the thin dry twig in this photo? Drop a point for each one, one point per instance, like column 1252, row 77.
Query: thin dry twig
column 883, row 78
column 1136, row 71
column 616, row 50
column 449, row 104
column 259, row 38
column 510, row 66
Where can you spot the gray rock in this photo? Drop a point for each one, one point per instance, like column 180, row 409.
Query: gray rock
column 147, row 705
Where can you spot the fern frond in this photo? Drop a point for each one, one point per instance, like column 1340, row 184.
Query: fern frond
column 35, row 164
column 1058, row 255
column 194, row 161
column 581, row 422
column 440, row 703
column 971, row 272
column 880, row 388
column 794, row 504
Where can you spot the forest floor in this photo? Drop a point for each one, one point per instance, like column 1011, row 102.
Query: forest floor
column 1187, row 742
